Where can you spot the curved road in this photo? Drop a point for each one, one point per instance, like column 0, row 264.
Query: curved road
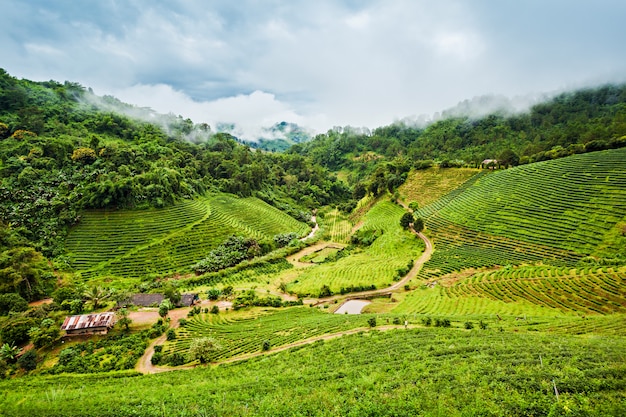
column 417, row 266
column 144, row 365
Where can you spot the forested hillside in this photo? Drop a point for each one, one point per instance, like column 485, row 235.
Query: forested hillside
column 571, row 123
column 63, row 149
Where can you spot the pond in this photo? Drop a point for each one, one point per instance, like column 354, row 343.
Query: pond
column 352, row 307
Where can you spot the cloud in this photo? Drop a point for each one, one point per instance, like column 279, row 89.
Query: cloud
column 363, row 63
column 250, row 112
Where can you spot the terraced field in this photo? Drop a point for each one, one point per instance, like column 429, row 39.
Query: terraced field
column 569, row 203
column 246, row 334
column 436, row 372
column 429, row 185
column 137, row 243
column 376, row 265
column 336, row 227
column 530, row 290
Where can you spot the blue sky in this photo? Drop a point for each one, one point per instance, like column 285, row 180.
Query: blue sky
column 316, row 63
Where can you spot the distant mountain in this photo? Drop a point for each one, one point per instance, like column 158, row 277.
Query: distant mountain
column 277, row 138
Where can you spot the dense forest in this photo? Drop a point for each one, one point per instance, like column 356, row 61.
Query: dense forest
column 571, row 123
column 63, row 150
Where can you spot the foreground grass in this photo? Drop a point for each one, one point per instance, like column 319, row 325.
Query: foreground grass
column 436, row 372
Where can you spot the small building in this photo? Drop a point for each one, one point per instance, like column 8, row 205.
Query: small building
column 146, row 300
column 489, row 163
column 153, row 300
column 88, row 323
column 187, row 300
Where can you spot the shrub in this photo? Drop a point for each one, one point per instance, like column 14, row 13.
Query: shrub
column 266, row 345
column 482, row 325
column 396, row 320
column 215, row 310
column 176, row 359
column 427, row 321
column 170, row 334
column 28, row 361
column 158, row 348
column 12, row 302
column 202, row 349
column 14, row 331
column 157, row 358
column 371, row 321
column 469, row 325
column 213, row 294
column 182, row 322
column 442, row 323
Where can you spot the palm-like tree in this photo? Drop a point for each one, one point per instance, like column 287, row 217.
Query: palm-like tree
column 96, row 295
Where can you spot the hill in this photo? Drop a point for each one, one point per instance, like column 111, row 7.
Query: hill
column 518, row 311
column 140, row 243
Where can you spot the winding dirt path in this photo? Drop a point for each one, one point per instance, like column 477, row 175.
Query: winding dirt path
column 148, row 368
column 144, row 365
column 417, row 266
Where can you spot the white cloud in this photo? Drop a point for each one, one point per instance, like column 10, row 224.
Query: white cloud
column 324, row 62
column 251, row 112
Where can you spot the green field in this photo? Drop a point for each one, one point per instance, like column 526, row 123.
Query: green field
column 136, row 243
column 245, row 334
column 569, row 203
column 435, row 372
column 375, row 265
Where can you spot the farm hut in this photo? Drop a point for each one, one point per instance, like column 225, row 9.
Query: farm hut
column 187, row 300
column 88, row 324
column 489, row 163
column 147, row 300
column 153, row 300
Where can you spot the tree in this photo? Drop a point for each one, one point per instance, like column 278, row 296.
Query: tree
column 28, row 361
column 165, row 307
column 508, row 157
column 202, row 349
column 96, row 295
column 172, row 293
column 418, row 224
column 123, row 319
column 414, row 205
column 12, row 302
column 406, row 220
column 84, row 155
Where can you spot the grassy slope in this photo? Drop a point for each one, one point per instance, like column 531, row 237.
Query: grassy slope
column 376, row 264
column 437, row 372
column 428, row 185
column 135, row 243
column 569, row 203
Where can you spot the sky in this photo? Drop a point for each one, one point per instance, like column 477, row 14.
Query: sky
column 316, row 63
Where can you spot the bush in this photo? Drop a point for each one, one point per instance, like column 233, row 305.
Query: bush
column 214, row 294
column 482, row 325
column 469, row 325
column 215, row 310
column 15, row 330
column 158, row 348
column 28, row 361
column 170, row 334
column 176, row 359
column 266, row 345
column 427, row 321
column 396, row 320
column 12, row 302
column 442, row 323
column 371, row 321
column 157, row 358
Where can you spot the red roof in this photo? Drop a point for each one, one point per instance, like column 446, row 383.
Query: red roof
column 88, row 321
